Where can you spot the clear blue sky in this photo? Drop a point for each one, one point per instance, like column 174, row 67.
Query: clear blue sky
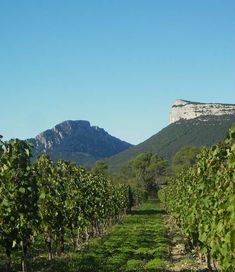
column 118, row 63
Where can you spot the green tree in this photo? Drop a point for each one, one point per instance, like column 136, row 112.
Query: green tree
column 125, row 175
column 100, row 168
column 184, row 158
column 149, row 170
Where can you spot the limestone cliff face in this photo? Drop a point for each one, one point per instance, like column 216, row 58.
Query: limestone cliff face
column 77, row 141
column 183, row 109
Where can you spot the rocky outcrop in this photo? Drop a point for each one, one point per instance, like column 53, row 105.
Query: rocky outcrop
column 183, row 109
column 77, row 141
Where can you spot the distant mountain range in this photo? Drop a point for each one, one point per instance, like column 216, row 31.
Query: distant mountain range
column 77, row 141
column 191, row 123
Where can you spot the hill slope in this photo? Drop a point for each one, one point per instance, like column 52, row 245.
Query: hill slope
column 77, row 141
column 201, row 131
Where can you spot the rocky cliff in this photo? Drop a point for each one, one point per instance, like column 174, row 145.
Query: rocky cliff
column 183, row 109
column 77, row 141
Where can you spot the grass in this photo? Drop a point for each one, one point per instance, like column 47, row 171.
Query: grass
column 138, row 243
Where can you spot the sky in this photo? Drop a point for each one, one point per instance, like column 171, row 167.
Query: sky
column 119, row 64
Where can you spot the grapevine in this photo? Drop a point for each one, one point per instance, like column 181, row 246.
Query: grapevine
column 202, row 200
column 59, row 201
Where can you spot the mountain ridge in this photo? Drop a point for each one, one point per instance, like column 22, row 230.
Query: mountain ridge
column 184, row 109
column 78, row 141
column 200, row 131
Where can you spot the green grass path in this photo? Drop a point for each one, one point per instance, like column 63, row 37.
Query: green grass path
column 138, row 243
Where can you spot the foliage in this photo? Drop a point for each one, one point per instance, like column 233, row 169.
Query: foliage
column 184, row 158
column 155, row 265
column 100, row 168
column 59, row 201
column 118, row 249
column 125, row 175
column 18, row 199
column 202, row 131
column 148, row 169
column 202, row 199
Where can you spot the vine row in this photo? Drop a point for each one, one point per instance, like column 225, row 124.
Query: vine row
column 59, row 201
column 202, row 199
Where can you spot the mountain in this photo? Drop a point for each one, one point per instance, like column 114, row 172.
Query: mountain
column 191, row 123
column 183, row 109
column 77, row 141
column 200, row 131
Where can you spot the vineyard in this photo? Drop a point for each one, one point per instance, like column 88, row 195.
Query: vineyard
column 56, row 202
column 57, row 208
column 202, row 199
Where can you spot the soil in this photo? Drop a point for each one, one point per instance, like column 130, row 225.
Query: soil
column 181, row 259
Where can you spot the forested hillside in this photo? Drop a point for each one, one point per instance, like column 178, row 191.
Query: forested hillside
column 201, row 131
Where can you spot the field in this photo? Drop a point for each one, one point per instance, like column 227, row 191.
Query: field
column 138, row 243
column 56, row 216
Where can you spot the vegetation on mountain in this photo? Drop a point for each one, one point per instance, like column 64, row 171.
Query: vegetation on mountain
column 201, row 131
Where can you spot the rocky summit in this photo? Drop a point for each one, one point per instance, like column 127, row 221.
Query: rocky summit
column 77, row 141
column 183, row 109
